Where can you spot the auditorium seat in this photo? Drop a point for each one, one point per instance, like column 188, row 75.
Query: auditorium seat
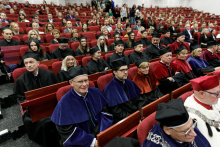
column 123, row 33
column 20, row 71
column 94, row 28
column 13, row 37
column 23, row 50
column 186, row 95
column 56, row 66
column 145, row 126
column 128, row 52
column 137, row 38
column 22, row 24
column 112, row 33
column 107, row 55
column 124, row 39
column 49, row 37
column 109, row 42
column 25, row 38
column 89, row 35
column 75, row 45
column 153, row 65
column 132, row 72
column 104, row 80
column 93, row 43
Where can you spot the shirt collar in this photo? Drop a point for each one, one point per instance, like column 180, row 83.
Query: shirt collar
column 84, row 97
column 210, row 51
column 209, row 107
column 164, row 63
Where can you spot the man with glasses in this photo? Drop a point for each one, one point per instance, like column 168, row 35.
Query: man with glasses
column 106, row 25
column 203, row 105
column 69, row 27
column 63, row 49
column 122, row 94
column 174, row 128
column 81, row 113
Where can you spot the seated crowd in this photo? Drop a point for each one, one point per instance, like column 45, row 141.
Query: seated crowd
column 181, row 57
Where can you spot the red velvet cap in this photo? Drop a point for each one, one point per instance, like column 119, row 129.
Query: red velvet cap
column 204, row 83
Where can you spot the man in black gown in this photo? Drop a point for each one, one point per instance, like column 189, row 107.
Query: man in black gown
column 138, row 53
column 81, row 113
column 42, row 131
column 62, row 51
column 96, row 64
column 122, row 94
column 119, row 48
column 144, row 40
column 153, row 50
column 166, row 40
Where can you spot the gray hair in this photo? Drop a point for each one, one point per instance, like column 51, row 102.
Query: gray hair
column 64, row 67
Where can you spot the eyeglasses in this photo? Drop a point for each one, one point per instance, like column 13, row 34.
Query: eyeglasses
column 123, row 70
column 81, row 82
column 186, row 133
column 216, row 94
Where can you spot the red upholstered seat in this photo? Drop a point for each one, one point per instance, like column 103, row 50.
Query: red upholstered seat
column 25, row 38
column 153, row 65
column 127, row 52
column 146, row 125
column 137, row 38
column 104, row 80
column 89, row 35
column 23, row 50
column 49, row 37
column 123, row 33
column 56, row 66
column 63, row 90
column 132, row 72
column 20, row 71
column 13, row 37
column 94, row 28
column 22, row 24
column 124, row 39
column 107, row 55
column 109, row 42
column 52, row 47
column 79, row 28
column 94, row 43
column 112, row 33
column 75, row 45
column 186, row 95
column 85, row 60
column 198, row 36
column 135, row 32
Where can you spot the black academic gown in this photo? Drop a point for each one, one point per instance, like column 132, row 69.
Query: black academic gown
column 79, row 53
column 123, row 98
column 58, row 53
column 135, row 56
column 11, row 43
column 145, row 41
column 97, row 66
column 63, row 76
column 126, row 45
column 115, row 56
column 42, row 131
column 152, row 51
column 166, row 41
column 112, row 47
column 103, row 49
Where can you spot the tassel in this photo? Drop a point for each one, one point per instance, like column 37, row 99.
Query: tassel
column 209, row 129
column 218, row 129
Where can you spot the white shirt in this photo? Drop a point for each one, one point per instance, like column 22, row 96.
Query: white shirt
column 189, row 34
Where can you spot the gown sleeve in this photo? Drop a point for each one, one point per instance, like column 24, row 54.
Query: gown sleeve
column 200, row 71
column 214, row 62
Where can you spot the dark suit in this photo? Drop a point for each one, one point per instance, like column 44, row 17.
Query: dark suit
column 187, row 37
column 200, row 30
column 211, row 38
column 172, row 31
column 49, row 21
column 70, row 17
column 136, row 28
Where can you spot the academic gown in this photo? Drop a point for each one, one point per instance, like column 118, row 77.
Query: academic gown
column 211, row 58
column 185, row 68
column 149, row 87
column 123, row 98
column 145, row 41
column 63, row 75
column 115, row 56
column 123, row 142
column 176, row 45
column 152, row 51
column 103, row 49
column 135, row 56
column 99, row 66
column 166, row 41
column 126, row 45
column 42, row 131
column 79, row 119
column 58, row 53
column 79, row 53
column 158, row 138
column 199, row 66
column 11, row 43
column 162, row 72
column 112, row 47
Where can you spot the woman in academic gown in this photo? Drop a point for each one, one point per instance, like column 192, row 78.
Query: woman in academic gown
column 204, row 38
column 184, row 66
column 67, row 63
column 212, row 37
column 101, row 44
column 96, row 64
column 83, row 48
column 117, row 37
column 199, row 65
column 130, row 41
column 147, row 82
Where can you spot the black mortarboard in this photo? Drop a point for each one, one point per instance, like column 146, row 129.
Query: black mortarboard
column 74, row 72
column 164, row 51
column 116, row 33
column 118, row 63
column 143, row 31
column 156, row 35
column 83, row 37
column 180, row 34
column 179, row 49
column 137, row 42
column 122, row 142
column 138, row 63
column 210, row 43
column 30, row 55
column 166, row 31
column 119, row 42
column 97, row 37
column 195, row 47
column 172, row 114
column 32, row 39
column 62, row 40
column 93, row 50
column 129, row 33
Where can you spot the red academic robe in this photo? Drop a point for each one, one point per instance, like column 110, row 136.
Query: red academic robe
column 211, row 58
column 176, row 45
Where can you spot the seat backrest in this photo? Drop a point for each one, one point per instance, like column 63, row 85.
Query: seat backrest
column 49, row 37
column 132, row 72
column 124, row 39
column 63, row 90
column 94, row 28
column 186, row 95
column 153, row 65
column 109, row 42
column 94, row 43
column 20, row 71
column 16, row 38
column 128, row 52
column 104, row 80
column 56, row 66
column 89, row 35
column 146, row 125
column 52, row 47
column 176, row 93
column 107, row 55
column 23, row 50
column 85, row 60
column 75, row 45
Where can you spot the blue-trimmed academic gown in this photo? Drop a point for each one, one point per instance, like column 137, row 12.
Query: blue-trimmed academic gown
column 79, row 120
column 123, row 98
column 199, row 66
column 200, row 140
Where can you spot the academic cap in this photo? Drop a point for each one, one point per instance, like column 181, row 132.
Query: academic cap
column 82, row 37
column 180, row 34
column 166, row 31
column 172, row 114
column 137, row 43
column 74, row 72
column 30, row 55
column 156, row 35
column 202, row 83
column 179, row 49
column 123, row 142
column 138, row 63
column 99, row 35
column 129, row 33
column 116, row 33
column 93, row 50
column 210, row 43
column 195, row 47
column 143, row 31
column 118, row 63
column 119, row 42
column 62, row 40
column 164, row 51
